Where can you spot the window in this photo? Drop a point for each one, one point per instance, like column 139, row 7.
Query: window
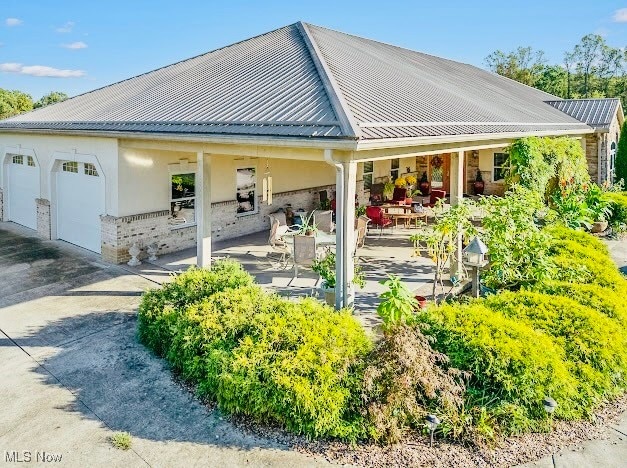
column 70, row 166
column 612, row 162
column 31, row 161
column 368, row 170
column 394, row 169
column 18, row 159
column 501, row 166
column 183, row 199
column 90, row 169
column 246, row 181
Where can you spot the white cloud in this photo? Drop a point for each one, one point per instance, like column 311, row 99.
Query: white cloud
column 13, row 22
column 75, row 45
column 620, row 16
column 40, row 70
column 66, row 28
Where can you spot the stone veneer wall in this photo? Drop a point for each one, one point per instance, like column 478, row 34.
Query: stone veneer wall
column 119, row 233
column 592, row 156
column 43, row 218
column 491, row 188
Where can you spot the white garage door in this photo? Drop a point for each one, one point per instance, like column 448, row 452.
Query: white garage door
column 80, row 202
column 23, row 178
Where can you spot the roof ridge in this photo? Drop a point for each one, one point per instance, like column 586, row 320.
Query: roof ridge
column 336, row 98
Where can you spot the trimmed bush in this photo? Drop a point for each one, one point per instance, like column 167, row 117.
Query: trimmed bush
column 513, row 366
column 618, row 205
column 582, row 258
column 159, row 308
column 297, row 363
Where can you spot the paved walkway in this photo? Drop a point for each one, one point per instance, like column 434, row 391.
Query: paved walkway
column 72, row 373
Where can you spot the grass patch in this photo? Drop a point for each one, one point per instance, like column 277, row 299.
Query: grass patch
column 121, row 440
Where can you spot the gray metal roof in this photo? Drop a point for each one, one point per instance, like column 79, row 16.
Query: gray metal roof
column 597, row 113
column 307, row 81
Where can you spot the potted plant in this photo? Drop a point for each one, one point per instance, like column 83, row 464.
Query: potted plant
column 325, row 267
column 308, row 227
column 388, row 190
column 424, row 186
column 599, row 208
column 479, row 184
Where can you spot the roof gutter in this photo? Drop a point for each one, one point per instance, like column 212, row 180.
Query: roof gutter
column 434, row 140
column 341, row 143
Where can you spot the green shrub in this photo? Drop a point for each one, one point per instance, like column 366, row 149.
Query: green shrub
column 513, row 366
column 618, row 205
column 582, row 258
column 159, row 308
column 296, row 363
column 595, row 345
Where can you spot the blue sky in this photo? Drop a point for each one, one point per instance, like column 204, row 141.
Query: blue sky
column 91, row 44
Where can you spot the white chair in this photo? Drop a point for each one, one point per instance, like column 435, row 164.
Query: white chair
column 304, row 253
column 323, row 219
column 276, row 241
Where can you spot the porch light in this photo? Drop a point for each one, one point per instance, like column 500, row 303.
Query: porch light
column 549, row 405
column 474, row 256
column 432, row 423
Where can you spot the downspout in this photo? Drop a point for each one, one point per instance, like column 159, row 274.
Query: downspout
column 340, row 267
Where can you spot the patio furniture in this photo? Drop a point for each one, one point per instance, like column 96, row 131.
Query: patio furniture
column 378, row 218
column 362, row 227
column 277, row 231
column 323, row 220
column 435, row 196
column 399, row 195
column 304, row 252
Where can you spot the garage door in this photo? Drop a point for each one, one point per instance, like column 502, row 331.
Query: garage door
column 80, row 202
column 23, row 178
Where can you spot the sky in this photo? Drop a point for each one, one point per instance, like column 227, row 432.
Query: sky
column 76, row 46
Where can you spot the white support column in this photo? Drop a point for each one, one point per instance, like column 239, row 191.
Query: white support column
column 203, row 210
column 348, row 224
column 345, row 189
column 457, row 194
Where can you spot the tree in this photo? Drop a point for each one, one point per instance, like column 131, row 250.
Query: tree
column 553, row 80
column 51, row 98
column 523, row 64
column 588, row 54
column 14, row 102
column 621, row 155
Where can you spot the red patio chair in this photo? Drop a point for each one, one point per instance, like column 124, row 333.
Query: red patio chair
column 377, row 218
column 435, row 196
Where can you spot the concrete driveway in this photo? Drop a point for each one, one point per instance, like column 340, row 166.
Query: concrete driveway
column 72, row 372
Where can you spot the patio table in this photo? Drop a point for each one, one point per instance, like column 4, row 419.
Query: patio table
column 322, row 238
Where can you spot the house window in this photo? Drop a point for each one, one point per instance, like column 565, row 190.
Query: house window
column 182, row 199
column 500, row 167
column 18, row 159
column 30, row 161
column 70, row 166
column 394, row 169
column 612, row 162
column 90, row 169
column 368, row 170
column 246, row 190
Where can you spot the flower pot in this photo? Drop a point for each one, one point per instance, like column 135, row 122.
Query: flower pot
column 424, row 188
column 329, row 295
column 309, row 232
column 422, row 302
column 479, row 187
column 599, row 226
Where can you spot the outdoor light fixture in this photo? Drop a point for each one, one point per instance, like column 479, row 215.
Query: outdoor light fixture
column 549, row 405
column 475, row 154
column 432, row 423
column 474, row 256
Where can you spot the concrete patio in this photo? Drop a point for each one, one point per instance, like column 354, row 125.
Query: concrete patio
column 389, row 253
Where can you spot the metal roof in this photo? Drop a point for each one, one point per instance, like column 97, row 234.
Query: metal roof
column 307, row 81
column 597, row 113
